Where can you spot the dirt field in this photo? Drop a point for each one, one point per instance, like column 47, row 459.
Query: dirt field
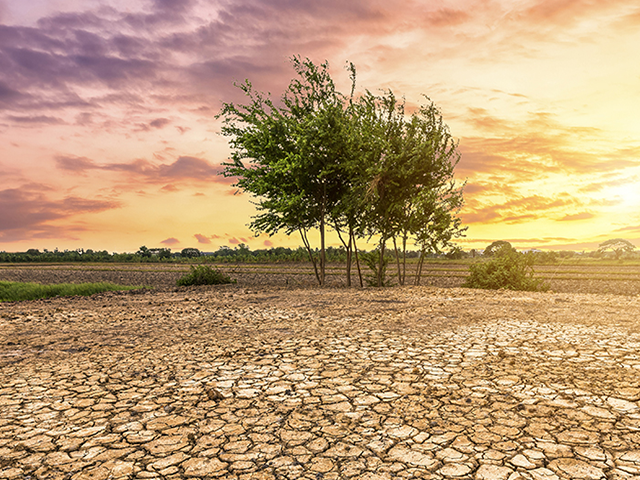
column 270, row 380
column 622, row 279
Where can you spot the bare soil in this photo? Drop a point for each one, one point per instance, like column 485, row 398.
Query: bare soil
column 618, row 279
column 273, row 378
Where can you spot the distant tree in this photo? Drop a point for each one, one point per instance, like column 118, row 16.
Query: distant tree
column 506, row 269
column 190, row 253
column 242, row 249
column 143, row 251
column 494, row 247
column 618, row 246
column 456, row 253
column 33, row 251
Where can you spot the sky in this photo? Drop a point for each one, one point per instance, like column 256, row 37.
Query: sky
column 109, row 141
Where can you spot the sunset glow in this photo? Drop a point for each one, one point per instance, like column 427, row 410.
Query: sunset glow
column 109, row 140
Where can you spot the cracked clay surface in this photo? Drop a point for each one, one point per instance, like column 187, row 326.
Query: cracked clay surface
column 305, row 383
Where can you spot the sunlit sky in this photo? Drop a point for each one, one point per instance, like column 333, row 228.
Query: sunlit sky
column 108, row 138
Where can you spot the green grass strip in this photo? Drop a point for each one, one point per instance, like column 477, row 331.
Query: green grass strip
column 17, row 291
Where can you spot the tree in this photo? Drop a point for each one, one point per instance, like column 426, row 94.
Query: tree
column 406, row 177
column 492, row 248
column 619, row 246
column 287, row 154
column 190, row 252
column 320, row 159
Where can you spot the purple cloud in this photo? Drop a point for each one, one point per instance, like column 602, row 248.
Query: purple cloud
column 35, row 119
column 26, row 212
column 183, row 169
column 160, row 122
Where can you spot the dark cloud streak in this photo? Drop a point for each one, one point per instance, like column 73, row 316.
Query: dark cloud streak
column 185, row 168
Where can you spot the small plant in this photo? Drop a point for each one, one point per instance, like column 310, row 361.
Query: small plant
column 507, row 269
column 372, row 260
column 204, row 275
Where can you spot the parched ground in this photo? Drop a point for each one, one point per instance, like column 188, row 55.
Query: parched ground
column 266, row 382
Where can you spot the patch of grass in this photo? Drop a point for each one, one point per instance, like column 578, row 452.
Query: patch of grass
column 17, row 291
column 204, row 275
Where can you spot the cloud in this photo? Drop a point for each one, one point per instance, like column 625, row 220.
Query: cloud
column 35, row 119
column 268, row 243
column 536, row 148
column 631, row 228
column 185, row 168
column 515, row 210
column 29, row 212
column 234, row 241
column 616, row 182
column 160, row 122
column 202, row 239
column 576, row 217
column 170, row 241
column 74, row 164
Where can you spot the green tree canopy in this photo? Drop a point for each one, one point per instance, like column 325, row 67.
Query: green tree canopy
column 319, row 159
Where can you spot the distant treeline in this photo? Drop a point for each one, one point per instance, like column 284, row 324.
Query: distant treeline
column 243, row 253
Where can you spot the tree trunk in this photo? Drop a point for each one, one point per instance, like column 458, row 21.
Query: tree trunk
column 395, row 248
column 349, row 263
column 383, row 242
column 355, row 250
column 404, row 259
column 419, row 269
column 323, row 256
column 305, row 240
column 348, row 248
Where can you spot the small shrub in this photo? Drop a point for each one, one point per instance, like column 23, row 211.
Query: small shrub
column 204, row 275
column 508, row 270
column 372, row 260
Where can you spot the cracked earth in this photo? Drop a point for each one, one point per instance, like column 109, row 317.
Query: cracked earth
column 305, row 383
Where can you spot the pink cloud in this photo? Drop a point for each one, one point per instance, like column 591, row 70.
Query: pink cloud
column 234, row 241
column 170, row 241
column 202, row 239
column 268, row 243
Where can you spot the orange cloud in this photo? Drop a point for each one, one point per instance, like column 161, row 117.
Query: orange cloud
column 576, row 217
column 517, row 210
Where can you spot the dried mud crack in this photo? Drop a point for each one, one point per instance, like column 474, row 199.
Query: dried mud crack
column 268, row 383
